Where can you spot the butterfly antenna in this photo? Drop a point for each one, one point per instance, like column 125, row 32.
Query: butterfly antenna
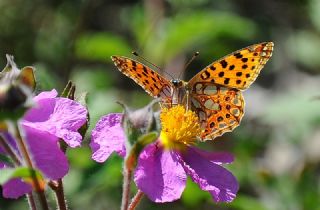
column 187, row 64
column 168, row 74
column 139, row 56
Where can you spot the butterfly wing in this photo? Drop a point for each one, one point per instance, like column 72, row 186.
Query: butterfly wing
column 153, row 83
column 238, row 69
column 215, row 91
column 220, row 109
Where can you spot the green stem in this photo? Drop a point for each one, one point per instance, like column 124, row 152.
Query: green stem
column 31, row 201
column 25, row 154
column 136, row 200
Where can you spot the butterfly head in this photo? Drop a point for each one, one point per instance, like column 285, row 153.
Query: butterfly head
column 177, row 83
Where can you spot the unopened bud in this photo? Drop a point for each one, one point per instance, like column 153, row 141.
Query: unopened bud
column 141, row 129
column 139, row 122
column 16, row 87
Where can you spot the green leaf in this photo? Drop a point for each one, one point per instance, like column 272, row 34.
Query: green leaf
column 138, row 146
column 189, row 30
column 21, row 172
column 66, row 89
column 100, row 46
column 147, row 138
column 243, row 202
column 193, row 196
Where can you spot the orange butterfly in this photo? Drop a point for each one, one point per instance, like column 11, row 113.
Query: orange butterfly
column 214, row 93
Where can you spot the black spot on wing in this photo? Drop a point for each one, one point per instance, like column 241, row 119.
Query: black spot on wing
column 238, row 55
column 212, row 68
column 224, row 63
column 244, row 60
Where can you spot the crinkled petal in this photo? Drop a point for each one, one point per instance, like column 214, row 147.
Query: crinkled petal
column 107, row 137
column 159, row 175
column 15, row 188
column 215, row 157
column 210, row 177
column 46, row 154
column 61, row 117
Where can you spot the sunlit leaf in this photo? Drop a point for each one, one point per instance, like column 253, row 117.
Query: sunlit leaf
column 190, row 30
column 243, row 202
column 100, row 46
column 21, row 172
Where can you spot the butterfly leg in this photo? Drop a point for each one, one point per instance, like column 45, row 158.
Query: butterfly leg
column 187, row 100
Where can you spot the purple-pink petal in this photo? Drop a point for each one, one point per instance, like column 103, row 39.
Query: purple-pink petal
column 107, row 137
column 215, row 157
column 45, row 95
column 46, row 154
column 15, row 188
column 210, row 177
column 61, row 117
column 159, row 175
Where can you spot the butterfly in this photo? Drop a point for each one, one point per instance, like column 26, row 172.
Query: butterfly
column 214, row 94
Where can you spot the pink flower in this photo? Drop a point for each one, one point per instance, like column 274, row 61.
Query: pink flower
column 163, row 166
column 53, row 118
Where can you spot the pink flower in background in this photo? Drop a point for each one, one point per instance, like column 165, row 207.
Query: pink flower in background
column 53, row 118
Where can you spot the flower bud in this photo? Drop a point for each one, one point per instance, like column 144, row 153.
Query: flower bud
column 138, row 122
column 141, row 129
column 16, row 87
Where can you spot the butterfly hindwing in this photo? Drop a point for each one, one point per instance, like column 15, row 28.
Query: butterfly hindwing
column 152, row 82
column 220, row 109
column 238, row 69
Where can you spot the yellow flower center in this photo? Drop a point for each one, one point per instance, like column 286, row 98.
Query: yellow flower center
column 179, row 127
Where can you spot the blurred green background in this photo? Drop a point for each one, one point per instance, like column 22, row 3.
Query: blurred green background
column 277, row 146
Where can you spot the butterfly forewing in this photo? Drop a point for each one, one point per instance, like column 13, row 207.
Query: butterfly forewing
column 153, row 83
column 236, row 70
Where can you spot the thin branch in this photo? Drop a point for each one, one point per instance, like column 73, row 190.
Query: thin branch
column 136, row 200
column 59, row 193
column 31, row 201
column 127, row 173
column 5, row 145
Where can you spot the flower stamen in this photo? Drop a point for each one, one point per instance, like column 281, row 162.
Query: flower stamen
column 179, row 127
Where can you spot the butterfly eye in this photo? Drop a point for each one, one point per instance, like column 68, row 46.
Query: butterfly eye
column 176, row 82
